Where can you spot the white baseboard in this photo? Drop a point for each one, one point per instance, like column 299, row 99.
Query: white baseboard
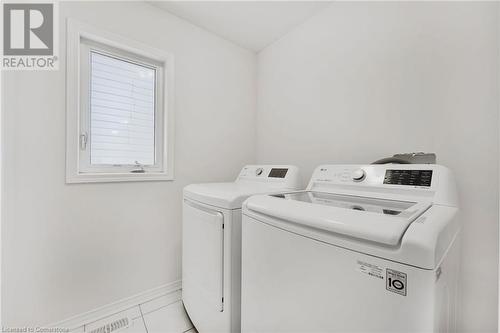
column 121, row 305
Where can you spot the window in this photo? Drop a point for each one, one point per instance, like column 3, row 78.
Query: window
column 119, row 110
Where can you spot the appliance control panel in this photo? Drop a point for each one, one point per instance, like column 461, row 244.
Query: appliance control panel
column 271, row 174
column 430, row 182
column 278, row 172
column 411, row 175
column 408, row 177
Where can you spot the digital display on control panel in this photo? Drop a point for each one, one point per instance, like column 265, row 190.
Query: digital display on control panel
column 278, row 173
column 408, row 177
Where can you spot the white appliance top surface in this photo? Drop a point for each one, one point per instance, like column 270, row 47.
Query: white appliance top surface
column 253, row 179
column 225, row 195
column 375, row 220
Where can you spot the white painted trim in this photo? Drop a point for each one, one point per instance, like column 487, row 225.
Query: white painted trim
column 115, row 177
column 121, row 305
column 74, row 32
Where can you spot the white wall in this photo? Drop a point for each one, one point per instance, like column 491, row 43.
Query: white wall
column 70, row 248
column 361, row 81
column 357, row 82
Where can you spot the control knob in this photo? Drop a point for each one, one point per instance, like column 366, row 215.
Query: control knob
column 259, row 171
column 358, row 175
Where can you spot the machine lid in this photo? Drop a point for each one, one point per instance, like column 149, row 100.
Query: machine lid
column 377, row 220
column 227, row 195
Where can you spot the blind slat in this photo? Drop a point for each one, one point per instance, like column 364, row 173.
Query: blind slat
column 123, row 120
column 130, row 97
column 104, row 130
column 100, row 82
column 111, row 72
column 121, row 104
column 125, row 140
column 115, row 112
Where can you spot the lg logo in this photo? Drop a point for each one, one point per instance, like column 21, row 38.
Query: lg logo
column 28, row 29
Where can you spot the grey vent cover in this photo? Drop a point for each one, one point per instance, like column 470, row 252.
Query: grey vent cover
column 114, row 326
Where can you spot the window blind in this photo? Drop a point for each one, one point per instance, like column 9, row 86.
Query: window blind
column 122, row 112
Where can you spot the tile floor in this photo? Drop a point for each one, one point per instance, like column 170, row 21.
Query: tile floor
column 160, row 315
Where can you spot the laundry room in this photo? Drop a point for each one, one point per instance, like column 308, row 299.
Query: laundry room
column 249, row 166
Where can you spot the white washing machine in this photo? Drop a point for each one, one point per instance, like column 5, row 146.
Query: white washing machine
column 364, row 249
column 211, row 244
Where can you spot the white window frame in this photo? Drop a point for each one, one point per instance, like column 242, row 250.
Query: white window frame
column 81, row 39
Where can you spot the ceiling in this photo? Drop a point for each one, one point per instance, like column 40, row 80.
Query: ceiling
column 251, row 24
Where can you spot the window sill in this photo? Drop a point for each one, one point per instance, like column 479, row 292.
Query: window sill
column 117, row 177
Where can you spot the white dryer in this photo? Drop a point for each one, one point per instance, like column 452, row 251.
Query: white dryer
column 211, row 243
column 364, row 249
